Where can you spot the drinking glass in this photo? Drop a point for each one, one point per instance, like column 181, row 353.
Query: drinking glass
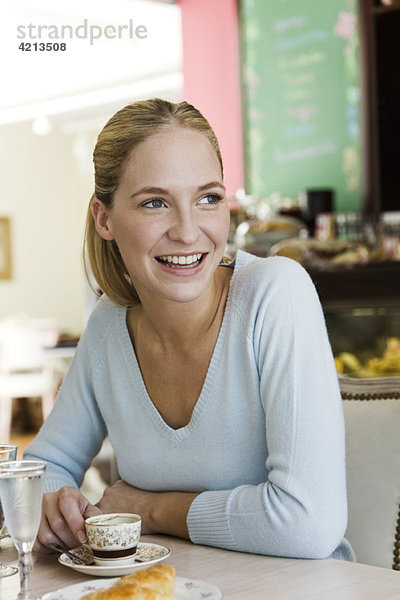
column 7, row 452
column 21, row 490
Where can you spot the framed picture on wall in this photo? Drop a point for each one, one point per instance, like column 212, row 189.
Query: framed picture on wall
column 5, row 248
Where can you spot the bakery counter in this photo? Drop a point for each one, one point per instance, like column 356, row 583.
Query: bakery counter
column 372, row 284
column 362, row 311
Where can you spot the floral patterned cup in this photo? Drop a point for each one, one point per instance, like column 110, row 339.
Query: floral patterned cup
column 113, row 537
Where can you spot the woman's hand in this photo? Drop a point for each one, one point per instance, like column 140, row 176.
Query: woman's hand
column 63, row 516
column 161, row 512
column 122, row 497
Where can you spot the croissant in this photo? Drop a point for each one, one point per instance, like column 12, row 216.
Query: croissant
column 154, row 583
column 128, row 592
column 159, row 578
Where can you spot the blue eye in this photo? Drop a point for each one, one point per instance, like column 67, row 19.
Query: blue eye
column 211, row 199
column 154, row 203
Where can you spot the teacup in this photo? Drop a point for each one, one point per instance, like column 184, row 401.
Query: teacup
column 113, row 537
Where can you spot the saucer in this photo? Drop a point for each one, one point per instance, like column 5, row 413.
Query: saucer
column 148, row 554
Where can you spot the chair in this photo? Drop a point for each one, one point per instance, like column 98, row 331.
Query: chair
column 24, row 370
column 372, row 417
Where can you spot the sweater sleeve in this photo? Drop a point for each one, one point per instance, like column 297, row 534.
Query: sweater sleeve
column 301, row 509
column 73, row 432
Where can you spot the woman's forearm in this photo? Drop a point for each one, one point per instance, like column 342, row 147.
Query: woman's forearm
column 169, row 513
column 161, row 512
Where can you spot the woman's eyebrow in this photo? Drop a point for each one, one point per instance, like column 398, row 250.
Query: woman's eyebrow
column 149, row 190
column 212, row 184
column 158, row 190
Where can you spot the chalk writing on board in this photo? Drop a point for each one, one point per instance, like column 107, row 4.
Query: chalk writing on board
column 302, row 97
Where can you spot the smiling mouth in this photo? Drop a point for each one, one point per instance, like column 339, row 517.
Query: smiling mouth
column 181, row 262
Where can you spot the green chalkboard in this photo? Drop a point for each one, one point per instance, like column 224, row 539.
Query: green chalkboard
column 302, row 97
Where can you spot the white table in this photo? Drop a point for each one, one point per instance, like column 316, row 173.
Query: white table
column 238, row 575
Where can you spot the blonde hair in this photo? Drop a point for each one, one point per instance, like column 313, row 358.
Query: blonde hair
column 129, row 127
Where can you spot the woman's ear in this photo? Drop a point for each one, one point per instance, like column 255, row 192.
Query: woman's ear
column 101, row 219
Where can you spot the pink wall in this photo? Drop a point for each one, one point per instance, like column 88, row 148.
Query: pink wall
column 211, row 68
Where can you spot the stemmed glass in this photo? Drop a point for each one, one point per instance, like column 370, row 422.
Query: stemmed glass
column 7, row 452
column 21, row 490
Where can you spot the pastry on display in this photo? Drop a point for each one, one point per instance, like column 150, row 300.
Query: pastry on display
column 388, row 363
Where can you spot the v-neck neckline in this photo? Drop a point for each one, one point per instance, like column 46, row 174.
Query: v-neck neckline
column 205, row 393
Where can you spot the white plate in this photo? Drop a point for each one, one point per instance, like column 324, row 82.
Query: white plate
column 185, row 589
column 150, row 554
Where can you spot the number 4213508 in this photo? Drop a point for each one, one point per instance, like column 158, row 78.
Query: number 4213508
column 42, row 46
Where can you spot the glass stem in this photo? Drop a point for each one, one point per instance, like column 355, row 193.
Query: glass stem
column 25, row 570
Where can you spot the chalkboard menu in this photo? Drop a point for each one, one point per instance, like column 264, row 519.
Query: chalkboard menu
column 302, row 97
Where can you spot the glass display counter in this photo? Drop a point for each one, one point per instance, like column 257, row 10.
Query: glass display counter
column 362, row 312
column 365, row 341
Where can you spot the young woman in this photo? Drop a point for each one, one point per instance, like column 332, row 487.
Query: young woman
column 214, row 382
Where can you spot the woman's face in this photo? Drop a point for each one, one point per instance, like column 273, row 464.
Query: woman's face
column 170, row 216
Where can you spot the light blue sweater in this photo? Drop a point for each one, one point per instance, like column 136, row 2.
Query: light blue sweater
column 265, row 443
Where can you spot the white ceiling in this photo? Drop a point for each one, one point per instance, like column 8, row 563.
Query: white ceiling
column 86, row 76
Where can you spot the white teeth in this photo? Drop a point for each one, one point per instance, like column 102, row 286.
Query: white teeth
column 182, row 260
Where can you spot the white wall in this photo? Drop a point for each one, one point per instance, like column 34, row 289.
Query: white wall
column 45, row 194
column 46, row 181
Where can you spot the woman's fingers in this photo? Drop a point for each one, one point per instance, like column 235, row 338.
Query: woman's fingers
column 45, row 537
column 63, row 519
column 71, row 509
column 91, row 511
column 75, row 508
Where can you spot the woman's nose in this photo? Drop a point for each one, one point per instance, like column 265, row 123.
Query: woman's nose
column 184, row 228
